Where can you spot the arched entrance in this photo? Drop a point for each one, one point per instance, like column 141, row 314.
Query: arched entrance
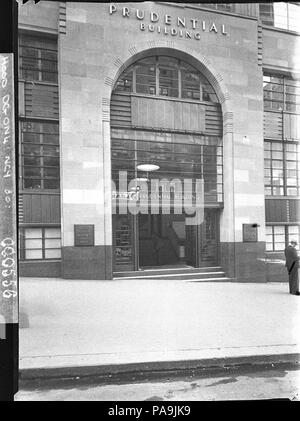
column 164, row 112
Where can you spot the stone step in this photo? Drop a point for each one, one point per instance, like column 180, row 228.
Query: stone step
column 166, row 271
column 200, row 276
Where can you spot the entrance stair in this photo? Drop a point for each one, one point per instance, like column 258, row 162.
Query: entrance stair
column 187, row 273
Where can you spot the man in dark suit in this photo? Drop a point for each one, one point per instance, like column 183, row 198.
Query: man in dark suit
column 292, row 266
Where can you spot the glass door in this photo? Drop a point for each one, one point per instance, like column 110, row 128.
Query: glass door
column 202, row 241
column 123, row 243
column 209, row 238
column 191, row 246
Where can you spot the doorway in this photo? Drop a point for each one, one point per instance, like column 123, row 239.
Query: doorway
column 157, row 240
column 161, row 240
column 202, row 241
column 166, row 240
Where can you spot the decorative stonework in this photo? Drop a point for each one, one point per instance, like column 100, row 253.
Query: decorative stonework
column 118, row 62
column 133, row 50
column 219, row 77
column 259, row 45
column 170, row 44
column 151, row 44
column 21, row 208
column 108, row 81
column 105, row 109
column 62, row 17
column 228, row 123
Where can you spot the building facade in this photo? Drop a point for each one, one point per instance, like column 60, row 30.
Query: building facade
column 206, row 92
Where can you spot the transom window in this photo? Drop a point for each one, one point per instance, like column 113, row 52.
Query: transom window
column 279, row 236
column 166, row 76
column 282, row 171
column 281, row 93
column 40, row 155
column 39, row 243
column 38, row 58
column 280, row 15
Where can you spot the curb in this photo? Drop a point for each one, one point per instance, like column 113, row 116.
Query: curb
column 157, row 369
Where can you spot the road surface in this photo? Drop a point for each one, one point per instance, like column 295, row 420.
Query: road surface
column 269, row 382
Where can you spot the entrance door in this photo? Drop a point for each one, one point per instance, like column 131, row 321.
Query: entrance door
column 123, row 243
column 202, row 241
column 209, row 238
column 191, row 246
column 161, row 239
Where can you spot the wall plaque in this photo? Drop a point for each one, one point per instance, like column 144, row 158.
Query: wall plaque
column 250, row 233
column 84, row 235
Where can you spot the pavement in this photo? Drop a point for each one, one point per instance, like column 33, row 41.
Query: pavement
column 76, row 327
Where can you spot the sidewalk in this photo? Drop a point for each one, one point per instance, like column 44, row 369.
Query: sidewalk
column 87, row 324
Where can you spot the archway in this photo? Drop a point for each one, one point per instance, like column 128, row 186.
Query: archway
column 165, row 111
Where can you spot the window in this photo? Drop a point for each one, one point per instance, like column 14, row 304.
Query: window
column 274, row 177
column 38, row 58
column 292, row 94
column 273, row 92
column 291, row 171
column 168, row 77
column 40, row 155
column 190, row 82
column 125, row 82
column 281, row 93
column 179, row 156
column 282, row 172
column 229, row 7
column 40, row 243
column 266, row 13
column 146, row 76
column 280, row 15
column 293, row 233
column 279, row 236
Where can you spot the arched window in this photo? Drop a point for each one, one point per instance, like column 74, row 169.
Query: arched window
column 166, row 76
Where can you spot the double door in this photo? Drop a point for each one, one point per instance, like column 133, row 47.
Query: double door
column 201, row 244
